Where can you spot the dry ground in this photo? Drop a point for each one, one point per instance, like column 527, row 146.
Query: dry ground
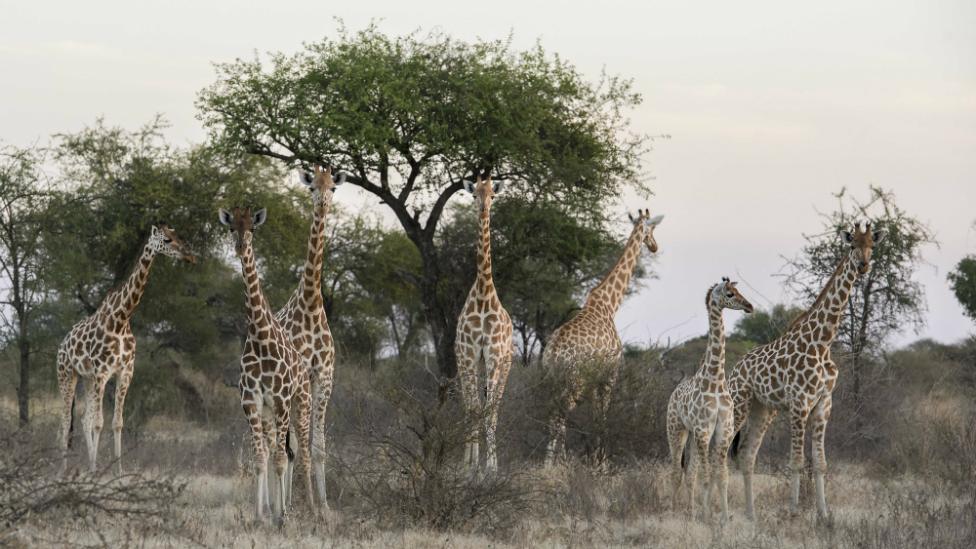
column 571, row 506
column 909, row 480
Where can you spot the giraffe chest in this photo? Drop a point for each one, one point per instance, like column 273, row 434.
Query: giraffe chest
column 98, row 345
column 698, row 402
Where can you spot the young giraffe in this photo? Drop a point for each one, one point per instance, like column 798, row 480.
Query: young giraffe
column 701, row 405
column 588, row 344
column 102, row 346
column 795, row 373
column 303, row 319
column 272, row 374
column 484, row 336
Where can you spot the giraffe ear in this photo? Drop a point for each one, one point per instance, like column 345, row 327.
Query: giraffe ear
column 878, row 236
column 259, row 217
column 655, row 221
column 225, row 219
column 469, row 186
column 341, row 180
column 305, row 178
column 154, row 231
column 498, row 187
column 848, row 237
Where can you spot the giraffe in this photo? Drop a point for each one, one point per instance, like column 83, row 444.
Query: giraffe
column 796, row 374
column 102, row 346
column 303, row 319
column 588, row 346
column 484, row 336
column 701, row 405
column 272, row 374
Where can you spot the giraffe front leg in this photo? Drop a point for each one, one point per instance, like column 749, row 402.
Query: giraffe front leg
column 321, row 394
column 468, row 377
column 702, row 439
column 556, row 451
column 798, row 421
column 720, row 452
column 760, row 418
column 124, row 379
column 269, row 433
column 252, row 404
column 282, row 424
column 602, row 395
column 497, row 378
column 821, row 415
column 95, row 419
column 303, row 430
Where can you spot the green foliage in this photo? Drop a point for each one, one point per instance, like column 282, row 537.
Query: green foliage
column 117, row 184
column 887, row 299
column 23, row 195
column 410, row 116
column 431, row 104
column 370, row 287
column 762, row 326
column 963, row 282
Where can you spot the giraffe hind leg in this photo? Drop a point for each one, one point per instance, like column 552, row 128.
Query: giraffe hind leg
column 125, row 378
column 67, row 383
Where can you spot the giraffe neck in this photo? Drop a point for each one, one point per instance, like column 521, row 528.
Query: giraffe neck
column 609, row 293
column 125, row 301
column 257, row 309
column 713, row 366
column 310, row 289
column 819, row 324
column 483, row 283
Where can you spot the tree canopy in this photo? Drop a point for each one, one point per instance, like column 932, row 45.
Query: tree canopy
column 886, row 300
column 410, row 117
column 963, row 283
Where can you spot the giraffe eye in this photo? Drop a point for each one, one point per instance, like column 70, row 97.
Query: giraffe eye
column 167, row 240
column 729, row 295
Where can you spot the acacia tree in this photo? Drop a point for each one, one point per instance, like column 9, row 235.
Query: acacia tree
column 963, row 283
column 117, row 183
column 764, row 326
column 22, row 203
column 886, row 300
column 411, row 117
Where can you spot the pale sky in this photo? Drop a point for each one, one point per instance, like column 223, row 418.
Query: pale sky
column 771, row 106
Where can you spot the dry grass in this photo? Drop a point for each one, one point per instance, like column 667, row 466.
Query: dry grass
column 908, row 481
column 573, row 506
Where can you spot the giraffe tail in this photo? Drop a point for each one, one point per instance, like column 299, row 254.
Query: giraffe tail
column 71, row 426
column 288, row 450
column 734, row 447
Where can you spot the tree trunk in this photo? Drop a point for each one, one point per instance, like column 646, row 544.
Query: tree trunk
column 23, row 390
column 442, row 322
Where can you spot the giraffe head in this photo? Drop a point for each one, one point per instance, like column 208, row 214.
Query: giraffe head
column 727, row 296
column 321, row 184
column 163, row 240
column 484, row 192
column 242, row 223
column 644, row 222
column 862, row 242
